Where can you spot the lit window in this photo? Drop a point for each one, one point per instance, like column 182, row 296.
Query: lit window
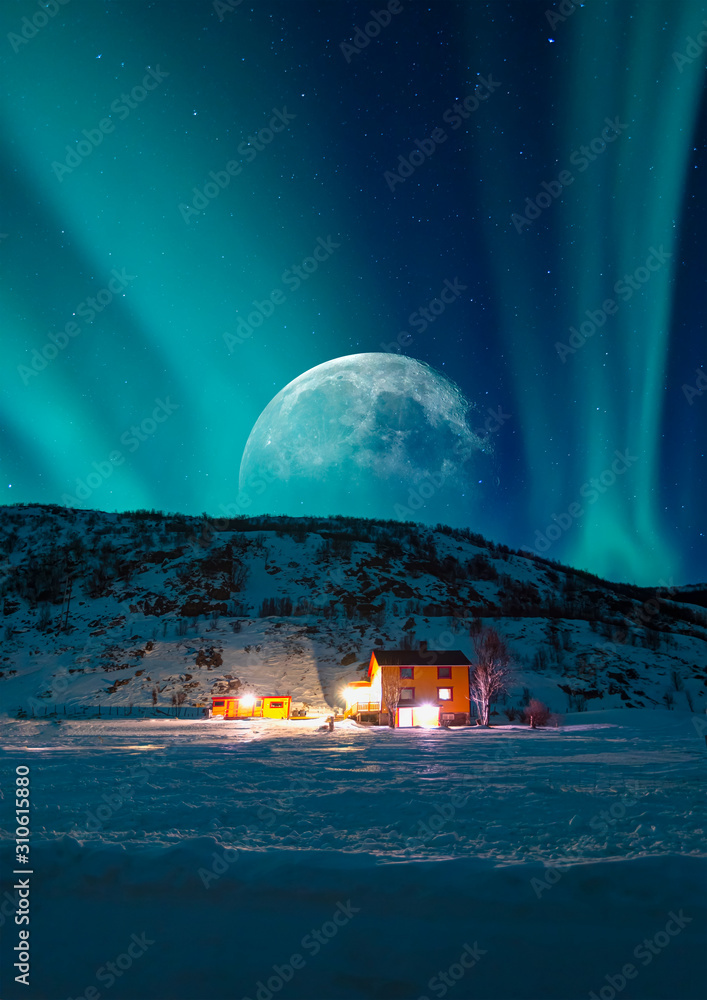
column 406, row 673
column 407, row 694
column 444, row 673
column 444, row 694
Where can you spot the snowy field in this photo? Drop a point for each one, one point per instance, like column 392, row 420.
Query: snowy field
column 261, row 859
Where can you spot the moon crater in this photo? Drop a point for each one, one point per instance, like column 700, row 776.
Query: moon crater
column 356, row 436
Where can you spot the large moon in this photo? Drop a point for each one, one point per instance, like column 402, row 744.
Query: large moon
column 367, row 435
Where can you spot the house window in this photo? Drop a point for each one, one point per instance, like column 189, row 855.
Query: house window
column 219, row 704
column 407, row 694
column 444, row 673
column 444, row 694
column 407, row 673
column 275, row 704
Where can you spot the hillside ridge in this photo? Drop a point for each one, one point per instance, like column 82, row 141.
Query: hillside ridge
column 145, row 607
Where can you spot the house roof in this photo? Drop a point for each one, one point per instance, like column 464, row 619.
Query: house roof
column 418, row 658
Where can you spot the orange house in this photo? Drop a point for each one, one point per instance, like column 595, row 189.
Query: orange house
column 251, row 707
column 424, row 687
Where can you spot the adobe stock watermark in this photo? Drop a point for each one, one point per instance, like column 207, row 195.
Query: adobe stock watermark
column 107, row 975
column 92, row 138
column 312, row 943
column 690, row 391
column 59, row 686
column 453, row 116
column 248, row 149
column 443, row 813
column 606, row 818
column 600, row 824
column 624, row 288
column 646, row 951
column 256, row 483
column 589, row 491
column 694, row 47
column 223, row 7
column 87, row 310
column 301, row 785
column 615, row 647
column 292, row 277
column 434, row 481
column 222, row 861
column 444, row 981
column 132, row 438
column 362, row 36
column 113, row 800
column 582, row 159
column 424, row 316
column 560, row 13
column 31, row 26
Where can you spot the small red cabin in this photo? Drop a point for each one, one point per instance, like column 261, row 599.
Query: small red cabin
column 251, row 706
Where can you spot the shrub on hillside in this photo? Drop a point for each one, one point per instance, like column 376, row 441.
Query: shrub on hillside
column 536, row 713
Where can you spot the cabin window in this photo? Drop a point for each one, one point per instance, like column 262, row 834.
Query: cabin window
column 275, row 704
column 444, row 673
column 259, row 702
column 407, row 673
column 444, row 694
column 219, row 704
column 407, row 694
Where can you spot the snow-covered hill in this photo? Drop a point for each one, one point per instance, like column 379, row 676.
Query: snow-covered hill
column 127, row 609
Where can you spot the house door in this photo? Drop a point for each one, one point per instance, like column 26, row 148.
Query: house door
column 404, row 718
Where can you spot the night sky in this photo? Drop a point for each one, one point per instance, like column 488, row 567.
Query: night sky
column 565, row 190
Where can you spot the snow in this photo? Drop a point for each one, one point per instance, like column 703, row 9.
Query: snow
column 139, row 634
column 264, row 784
column 555, row 852
column 549, row 855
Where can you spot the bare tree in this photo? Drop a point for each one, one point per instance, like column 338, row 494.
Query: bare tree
column 492, row 671
column 537, row 713
column 390, row 693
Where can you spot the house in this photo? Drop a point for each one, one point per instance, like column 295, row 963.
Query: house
column 251, row 707
column 424, row 687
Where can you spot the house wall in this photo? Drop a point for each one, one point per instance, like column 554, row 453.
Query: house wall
column 276, row 708
column 426, row 684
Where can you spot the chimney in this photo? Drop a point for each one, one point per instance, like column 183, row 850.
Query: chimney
column 423, row 646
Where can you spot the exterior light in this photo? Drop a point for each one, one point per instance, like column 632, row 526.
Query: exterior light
column 427, row 715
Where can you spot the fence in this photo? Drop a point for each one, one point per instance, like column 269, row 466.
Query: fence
column 112, row 711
